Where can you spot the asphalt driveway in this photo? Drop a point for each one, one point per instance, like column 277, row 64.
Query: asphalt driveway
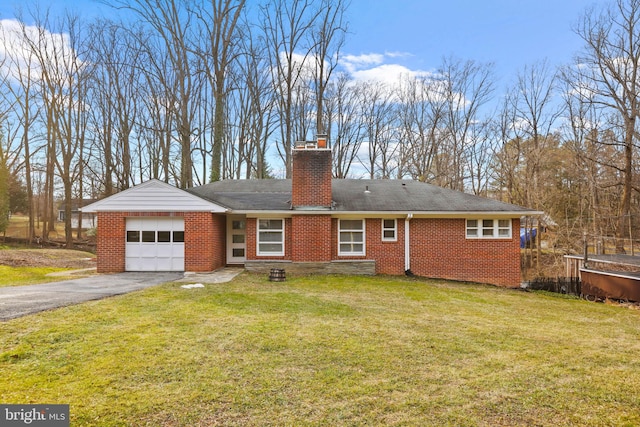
column 23, row 300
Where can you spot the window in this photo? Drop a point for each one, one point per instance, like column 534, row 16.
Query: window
column 271, row 237
column 238, row 252
column 351, row 237
column 133, row 236
column 504, row 228
column 149, row 236
column 488, row 229
column 389, row 230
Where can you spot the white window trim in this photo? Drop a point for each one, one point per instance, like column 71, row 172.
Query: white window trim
column 395, row 230
column 364, row 239
column 258, row 231
column 495, row 229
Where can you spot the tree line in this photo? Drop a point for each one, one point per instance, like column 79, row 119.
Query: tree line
column 194, row 91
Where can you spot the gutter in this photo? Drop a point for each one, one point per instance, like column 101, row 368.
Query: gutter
column 389, row 214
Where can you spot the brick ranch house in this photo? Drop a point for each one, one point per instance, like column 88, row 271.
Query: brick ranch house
column 311, row 224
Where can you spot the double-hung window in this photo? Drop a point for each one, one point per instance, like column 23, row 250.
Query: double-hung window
column 270, row 237
column 351, row 237
column 488, row 229
column 389, row 230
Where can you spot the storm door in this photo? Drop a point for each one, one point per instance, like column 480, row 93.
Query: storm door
column 236, row 239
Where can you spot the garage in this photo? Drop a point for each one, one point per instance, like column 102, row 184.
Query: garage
column 154, row 244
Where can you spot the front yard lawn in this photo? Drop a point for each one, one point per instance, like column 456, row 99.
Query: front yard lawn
column 20, row 267
column 339, row 351
column 19, row 276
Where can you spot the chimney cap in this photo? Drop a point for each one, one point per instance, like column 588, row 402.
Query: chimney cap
column 322, row 140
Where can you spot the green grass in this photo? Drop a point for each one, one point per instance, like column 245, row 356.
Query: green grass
column 337, row 351
column 19, row 276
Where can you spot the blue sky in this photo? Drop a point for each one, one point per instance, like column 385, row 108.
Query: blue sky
column 510, row 33
column 417, row 34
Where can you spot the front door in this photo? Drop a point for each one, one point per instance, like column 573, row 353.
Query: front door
column 236, row 238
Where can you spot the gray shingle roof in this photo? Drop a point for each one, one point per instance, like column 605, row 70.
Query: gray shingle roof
column 250, row 194
column 412, row 196
column 353, row 195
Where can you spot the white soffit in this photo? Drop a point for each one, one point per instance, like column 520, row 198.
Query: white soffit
column 153, row 196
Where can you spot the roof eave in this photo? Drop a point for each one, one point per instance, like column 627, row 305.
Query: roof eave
column 212, row 210
column 416, row 214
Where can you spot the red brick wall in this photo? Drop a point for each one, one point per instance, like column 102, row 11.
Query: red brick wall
column 110, row 242
column 439, row 248
column 251, row 226
column 311, row 178
column 389, row 256
column 312, row 238
column 219, row 241
column 204, row 241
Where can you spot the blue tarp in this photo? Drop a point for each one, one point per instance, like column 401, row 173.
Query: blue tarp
column 527, row 236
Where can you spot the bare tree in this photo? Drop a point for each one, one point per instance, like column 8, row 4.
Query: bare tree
column 156, row 128
column 172, row 24
column 507, row 153
column 115, row 100
column 610, row 67
column 421, row 114
column 254, row 79
column 4, row 190
column 19, row 92
column 328, row 38
column 62, row 82
column 219, row 20
column 467, row 87
column 581, row 136
column 535, row 116
column 287, row 25
column 482, row 145
column 344, row 105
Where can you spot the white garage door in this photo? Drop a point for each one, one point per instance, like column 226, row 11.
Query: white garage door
column 155, row 244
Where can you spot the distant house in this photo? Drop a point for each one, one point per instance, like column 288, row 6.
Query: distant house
column 89, row 219
column 311, row 224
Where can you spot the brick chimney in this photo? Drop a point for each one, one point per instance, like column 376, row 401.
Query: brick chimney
column 311, row 175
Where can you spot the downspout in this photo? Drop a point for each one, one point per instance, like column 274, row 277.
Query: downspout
column 407, row 253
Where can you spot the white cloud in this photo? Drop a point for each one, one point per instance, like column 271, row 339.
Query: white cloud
column 16, row 54
column 386, row 73
column 390, row 74
column 354, row 62
column 398, row 54
column 380, row 67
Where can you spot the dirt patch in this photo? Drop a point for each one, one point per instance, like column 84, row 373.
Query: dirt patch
column 60, row 258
